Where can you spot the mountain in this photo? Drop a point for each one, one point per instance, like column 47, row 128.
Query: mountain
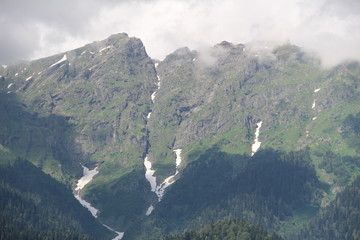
column 235, row 131
column 87, row 106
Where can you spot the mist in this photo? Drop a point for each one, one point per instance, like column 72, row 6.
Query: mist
column 326, row 28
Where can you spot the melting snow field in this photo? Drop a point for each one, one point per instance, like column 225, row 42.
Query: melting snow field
column 88, row 176
column 256, row 145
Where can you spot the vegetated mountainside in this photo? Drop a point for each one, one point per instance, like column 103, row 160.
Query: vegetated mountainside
column 91, row 106
column 35, row 206
column 86, row 106
column 340, row 220
column 218, row 98
column 266, row 189
column 227, row 230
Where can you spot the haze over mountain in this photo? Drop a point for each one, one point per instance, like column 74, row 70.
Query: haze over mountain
column 41, row 28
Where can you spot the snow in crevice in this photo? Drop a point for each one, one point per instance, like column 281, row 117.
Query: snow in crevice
column 160, row 190
column 10, row 85
column 119, row 236
column 149, row 210
column 316, row 90
column 149, row 115
column 64, row 58
column 313, row 104
column 83, row 53
column 256, row 145
column 85, row 179
column 27, row 79
column 105, row 48
column 149, row 174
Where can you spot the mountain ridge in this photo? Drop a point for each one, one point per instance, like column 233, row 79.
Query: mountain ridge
column 99, row 109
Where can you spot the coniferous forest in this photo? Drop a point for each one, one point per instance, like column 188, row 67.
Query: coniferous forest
column 35, row 206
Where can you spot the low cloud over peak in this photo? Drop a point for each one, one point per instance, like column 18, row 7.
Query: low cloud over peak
column 328, row 28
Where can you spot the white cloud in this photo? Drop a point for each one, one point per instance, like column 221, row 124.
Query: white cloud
column 327, row 27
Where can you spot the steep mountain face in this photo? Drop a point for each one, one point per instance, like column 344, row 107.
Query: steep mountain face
column 91, row 104
column 246, row 131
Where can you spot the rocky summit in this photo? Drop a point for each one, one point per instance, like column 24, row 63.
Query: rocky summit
column 249, row 131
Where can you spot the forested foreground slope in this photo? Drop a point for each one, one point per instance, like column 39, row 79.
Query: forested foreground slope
column 340, row 220
column 227, row 230
column 35, row 206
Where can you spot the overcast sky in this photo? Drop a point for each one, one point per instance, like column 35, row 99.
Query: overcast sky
column 36, row 28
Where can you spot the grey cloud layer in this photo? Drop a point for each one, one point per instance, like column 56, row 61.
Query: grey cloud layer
column 330, row 28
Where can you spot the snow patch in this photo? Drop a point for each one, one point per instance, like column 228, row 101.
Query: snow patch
column 256, row 145
column 307, row 133
column 178, row 157
column 88, row 176
column 314, row 104
column 4, row 66
column 316, row 90
column 103, row 49
column 119, row 236
column 29, row 78
column 148, row 116
column 153, row 97
column 149, row 174
column 8, row 92
column 149, row 211
column 156, row 65
column 86, row 204
column 160, row 190
column 314, row 118
column 83, row 53
column 64, row 58
column 9, row 86
column 16, row 74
